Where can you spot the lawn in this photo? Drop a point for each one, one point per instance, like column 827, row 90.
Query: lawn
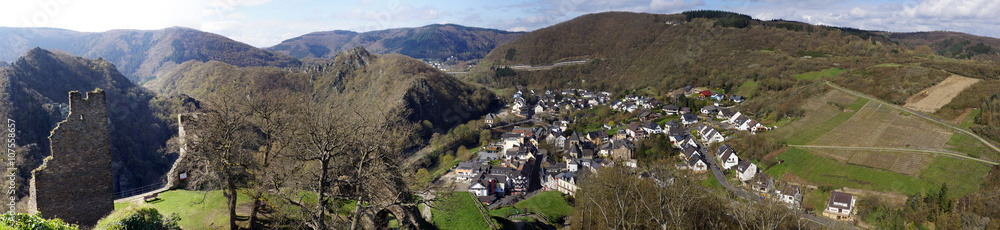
column 820, row 74
column 809, row 134
column 962, row 176
column 824, row 171
column 959, row 142
column 747, row 88
column 711, row 183
column 197, row 209
column 458, row 211
column 551, row 204
column 815, row 199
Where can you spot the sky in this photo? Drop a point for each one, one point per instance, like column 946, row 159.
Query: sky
column 265, row 23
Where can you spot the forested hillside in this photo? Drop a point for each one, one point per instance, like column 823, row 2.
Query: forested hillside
column 432, row 42
column 398, row 84
column 35, row 95
column 141, row 54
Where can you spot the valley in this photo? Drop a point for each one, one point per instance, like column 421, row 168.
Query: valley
column 618, row 120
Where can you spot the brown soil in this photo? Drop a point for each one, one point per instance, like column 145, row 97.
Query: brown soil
column 958, row 120
column 940, row 94
column 775, row 153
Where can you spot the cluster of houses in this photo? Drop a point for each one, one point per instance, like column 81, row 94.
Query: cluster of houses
column 552, row 102
column 631, row 103
column 517, row 155
column 521, row 162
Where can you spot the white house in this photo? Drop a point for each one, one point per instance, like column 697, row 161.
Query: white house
column 746, row 170
column 790, row 194
column 539, row 108
column 697, row 164
column 727, row 157
column 478, row 189
column 710, row 134
column 840, row 206
column 689, row 119
column 566, row 183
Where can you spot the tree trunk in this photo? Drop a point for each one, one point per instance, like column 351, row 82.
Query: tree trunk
column 231, row 185
column 320, row 217
column 254, row 210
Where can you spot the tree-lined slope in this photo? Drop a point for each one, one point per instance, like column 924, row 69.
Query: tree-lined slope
column 432, row 41
column 141, row 54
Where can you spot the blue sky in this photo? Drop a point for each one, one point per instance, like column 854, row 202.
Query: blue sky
column 265, row 23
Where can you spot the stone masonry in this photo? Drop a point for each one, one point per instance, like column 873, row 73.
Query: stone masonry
column 75, row 182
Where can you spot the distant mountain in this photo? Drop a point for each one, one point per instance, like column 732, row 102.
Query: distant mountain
column 35, row 95
column 953, row 44
column 432, row 41
column 3, row 64
column 141, row 54
column 398, row 85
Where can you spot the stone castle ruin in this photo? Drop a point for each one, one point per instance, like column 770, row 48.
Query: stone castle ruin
column 75, row 182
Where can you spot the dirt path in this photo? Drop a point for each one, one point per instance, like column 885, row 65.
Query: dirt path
column 928, row 151
column 547, row 67
column 940, row 94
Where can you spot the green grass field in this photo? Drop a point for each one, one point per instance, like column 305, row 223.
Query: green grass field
column 197, row 209
column 550, row 203
column 824, row 171
column 748, row 88
column 711, row 183
column 458, row 211
column 820, row 74
column 807, row 135
column 962, row 176
column 962, row 143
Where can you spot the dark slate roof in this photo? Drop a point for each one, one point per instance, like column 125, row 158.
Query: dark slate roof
column 840, row 197
column 673, row 123
column 743, row 166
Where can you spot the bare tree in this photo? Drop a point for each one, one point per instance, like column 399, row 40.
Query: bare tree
column 222, row 142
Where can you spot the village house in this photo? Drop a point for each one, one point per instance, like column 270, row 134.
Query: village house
column 478, row 189
column 761, row 183
column 709, row 110
column 672, row 109
column 466, row 171
column 736, row 98
column 710, row 134
column 696, row 164
column 725, row 113
column 746, row 170
column 727, row 157
column 566, row 183
column 718, row 96
column 622, row 150
column 489, row 119
column 652, row 128
column 689, row 119
column 791, row 195
column 840, row 206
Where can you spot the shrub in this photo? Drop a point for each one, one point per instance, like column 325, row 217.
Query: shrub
column 135, row 217
column 21, row 221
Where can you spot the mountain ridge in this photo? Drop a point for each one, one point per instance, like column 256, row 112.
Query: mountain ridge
column 141, row 54
column 435, row 41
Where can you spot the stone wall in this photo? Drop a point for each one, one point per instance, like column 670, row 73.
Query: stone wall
column 75, row 182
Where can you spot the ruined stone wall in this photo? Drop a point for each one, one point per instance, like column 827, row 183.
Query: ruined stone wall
column 75, row 182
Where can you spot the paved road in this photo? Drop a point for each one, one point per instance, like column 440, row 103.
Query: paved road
column 721, row 178
column 922, row 115
column 930, row 151
column 545, row 67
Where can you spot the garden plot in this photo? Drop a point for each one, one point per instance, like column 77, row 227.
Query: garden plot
column 876, row 125
column 817, row 109
column 940, row 94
